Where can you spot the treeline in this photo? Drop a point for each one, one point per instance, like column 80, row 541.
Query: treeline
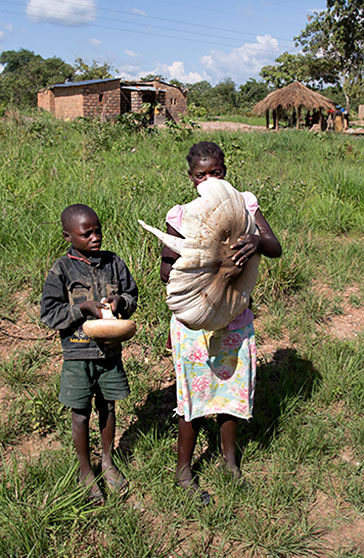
column 225, row 97
column 25, row 73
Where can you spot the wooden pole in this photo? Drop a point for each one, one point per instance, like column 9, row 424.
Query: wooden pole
column 267, row 119
column 274, row 119
column 298, row 117
column 320, row 119
column 277, row 119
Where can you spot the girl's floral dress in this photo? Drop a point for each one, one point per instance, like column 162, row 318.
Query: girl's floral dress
column 208, row 384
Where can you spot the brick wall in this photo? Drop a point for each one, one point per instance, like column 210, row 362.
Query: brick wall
column 102, row 100
column 68, row 103
column 105, row 101
column 136, row 98
column 175, row 99
column 97, row 100
column 45, row 100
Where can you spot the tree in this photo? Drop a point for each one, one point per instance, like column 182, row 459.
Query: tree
column 153, row 77
column 225, row 97
column 309, row 69
column 84, row 71
column 336, row 34
column 177, row 83
column 251, row 93
column 199, row 93
column 25, row 73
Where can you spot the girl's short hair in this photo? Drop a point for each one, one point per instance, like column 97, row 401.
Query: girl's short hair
column 205, row 149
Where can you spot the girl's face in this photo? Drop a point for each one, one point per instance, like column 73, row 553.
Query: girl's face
column 206, row 168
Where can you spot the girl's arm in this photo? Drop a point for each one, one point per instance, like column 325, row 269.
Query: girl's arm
column 168, row 256
column 265, row 243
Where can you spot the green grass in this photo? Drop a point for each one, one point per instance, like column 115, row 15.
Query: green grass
column 310, row 390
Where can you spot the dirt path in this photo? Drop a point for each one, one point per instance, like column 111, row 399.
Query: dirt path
column 229, row 126
column 217, row 125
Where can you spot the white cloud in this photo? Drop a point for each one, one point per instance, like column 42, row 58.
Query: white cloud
column 242, row 62
column 94, row 42
column 130, row 53
column 176, row 70
column 2, row 66
column 9, row 27
column 130, row 72
column 136, row 11
column 2, row 35
column 66, row 12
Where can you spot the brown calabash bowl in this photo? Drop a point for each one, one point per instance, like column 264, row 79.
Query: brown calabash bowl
column 109, row 330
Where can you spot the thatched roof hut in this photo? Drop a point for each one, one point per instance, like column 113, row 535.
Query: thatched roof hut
column 295, row 96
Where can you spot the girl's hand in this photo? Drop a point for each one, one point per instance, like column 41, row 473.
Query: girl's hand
column 247, row 245
column 92, row 308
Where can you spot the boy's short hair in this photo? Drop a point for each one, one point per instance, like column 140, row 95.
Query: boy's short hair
column 73, row 212
column 205, row 149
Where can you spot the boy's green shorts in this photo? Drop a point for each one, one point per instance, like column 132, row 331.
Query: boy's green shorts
column 82, row 379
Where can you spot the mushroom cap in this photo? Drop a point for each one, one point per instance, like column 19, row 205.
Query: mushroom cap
column 206, row 290
column 109, row 329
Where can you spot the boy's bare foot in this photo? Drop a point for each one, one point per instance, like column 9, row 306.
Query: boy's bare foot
column 115, row 481
column 94, row 494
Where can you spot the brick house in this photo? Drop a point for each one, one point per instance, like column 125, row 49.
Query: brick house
column 172, row 98
column 107, row 98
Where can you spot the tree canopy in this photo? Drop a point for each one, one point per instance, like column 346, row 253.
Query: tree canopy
column 309, row 69
column 83, row 71
column 336, row 35
column 153, row 77
column 25, row 73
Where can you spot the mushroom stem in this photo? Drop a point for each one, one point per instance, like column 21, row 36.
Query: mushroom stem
column 173, row 242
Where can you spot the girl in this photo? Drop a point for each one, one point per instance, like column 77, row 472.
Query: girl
column 228, row 389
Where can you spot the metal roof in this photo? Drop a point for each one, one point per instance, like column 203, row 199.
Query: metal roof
column 87, row 82
column 141, row 88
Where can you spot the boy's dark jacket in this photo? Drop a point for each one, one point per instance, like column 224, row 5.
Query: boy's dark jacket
column 72, row 281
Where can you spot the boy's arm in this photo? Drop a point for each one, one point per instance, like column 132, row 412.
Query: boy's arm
column 125, row 302
column 56, row 311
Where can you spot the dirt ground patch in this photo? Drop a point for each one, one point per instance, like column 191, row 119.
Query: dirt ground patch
column 350, row 322
column 229, row 126
column 341, row 525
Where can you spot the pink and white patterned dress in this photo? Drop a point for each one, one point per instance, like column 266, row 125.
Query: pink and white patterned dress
column 207, row 384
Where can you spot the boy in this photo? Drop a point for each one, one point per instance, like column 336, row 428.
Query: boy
column 72, row 291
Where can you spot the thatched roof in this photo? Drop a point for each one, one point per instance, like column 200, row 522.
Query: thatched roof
column 293, row 96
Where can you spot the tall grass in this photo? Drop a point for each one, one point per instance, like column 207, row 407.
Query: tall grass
column 310, row 392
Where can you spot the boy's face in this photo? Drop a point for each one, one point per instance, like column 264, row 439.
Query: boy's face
column 206, row 168
column 84, row 233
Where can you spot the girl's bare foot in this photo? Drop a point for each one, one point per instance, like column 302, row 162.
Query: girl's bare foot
column 186, row 481
column 234, row 470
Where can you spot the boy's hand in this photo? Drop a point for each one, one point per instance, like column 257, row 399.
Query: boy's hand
column 92, row 308
column 117, row 303
column 247, row 245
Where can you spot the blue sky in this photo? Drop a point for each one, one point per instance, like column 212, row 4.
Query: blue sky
column 185, row 39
